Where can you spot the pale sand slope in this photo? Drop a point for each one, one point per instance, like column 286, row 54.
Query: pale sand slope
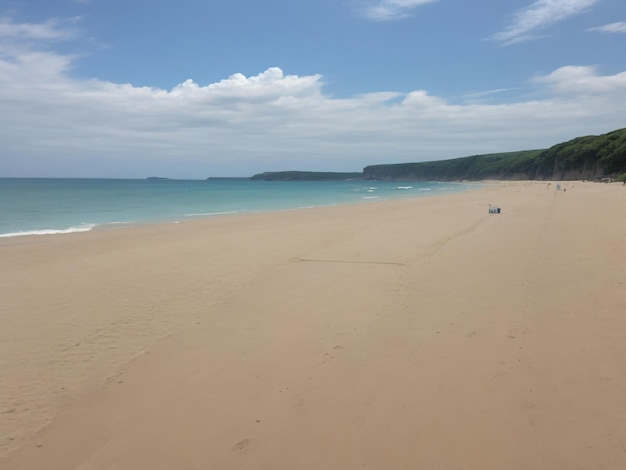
column 421, row 334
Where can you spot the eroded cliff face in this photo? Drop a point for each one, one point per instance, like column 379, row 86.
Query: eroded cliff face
column 571, row 175
column 379, row 172
column 589, row 168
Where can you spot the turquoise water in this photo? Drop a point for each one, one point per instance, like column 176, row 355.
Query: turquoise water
column 48, row 206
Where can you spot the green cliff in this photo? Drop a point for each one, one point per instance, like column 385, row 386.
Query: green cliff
column 589, row 157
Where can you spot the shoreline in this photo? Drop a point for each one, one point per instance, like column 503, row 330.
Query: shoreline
column 188, row 211
column 412, row 333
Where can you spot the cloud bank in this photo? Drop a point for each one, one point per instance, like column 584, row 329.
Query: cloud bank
column 53, row 124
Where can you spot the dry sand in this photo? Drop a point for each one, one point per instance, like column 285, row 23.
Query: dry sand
column 415, row 334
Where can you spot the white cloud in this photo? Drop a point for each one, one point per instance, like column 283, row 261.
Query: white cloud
column 582, row 81
column 387, row 10
column 270, row 84
column 619, row 27
column 539, row 15
column 55, row 125
column 53, row 29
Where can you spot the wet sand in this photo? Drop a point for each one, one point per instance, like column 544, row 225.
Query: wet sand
column 423, row 333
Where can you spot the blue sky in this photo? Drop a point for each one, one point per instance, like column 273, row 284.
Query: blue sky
column 190, row 89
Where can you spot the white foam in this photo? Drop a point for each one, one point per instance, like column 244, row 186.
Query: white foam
column 82, row 228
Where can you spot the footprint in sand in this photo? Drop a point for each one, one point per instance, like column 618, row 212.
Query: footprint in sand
column 241, row 445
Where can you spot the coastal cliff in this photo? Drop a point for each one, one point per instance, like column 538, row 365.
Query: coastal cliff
column 588, row 157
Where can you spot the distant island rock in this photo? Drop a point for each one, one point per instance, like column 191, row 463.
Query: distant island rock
column 156, row 178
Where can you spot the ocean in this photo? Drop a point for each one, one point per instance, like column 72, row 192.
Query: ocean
column 39, row 206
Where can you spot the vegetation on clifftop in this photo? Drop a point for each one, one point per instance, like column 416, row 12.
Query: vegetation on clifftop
column 511, row 165
column 589, row 157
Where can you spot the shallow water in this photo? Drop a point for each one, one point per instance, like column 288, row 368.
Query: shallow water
column 48, row 206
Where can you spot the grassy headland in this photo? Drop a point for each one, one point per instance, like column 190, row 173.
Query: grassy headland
column 590, row 157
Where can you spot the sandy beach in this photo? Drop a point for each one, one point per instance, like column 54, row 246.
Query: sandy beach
column 413, row 334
